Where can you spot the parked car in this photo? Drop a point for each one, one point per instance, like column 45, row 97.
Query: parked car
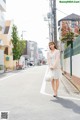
column 30, row 63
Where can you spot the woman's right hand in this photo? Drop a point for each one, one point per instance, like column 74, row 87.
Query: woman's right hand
column 51, row 67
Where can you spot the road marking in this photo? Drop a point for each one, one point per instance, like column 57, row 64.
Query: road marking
column 43, row 83
column 13, row 74
column 42, row 91
column 8, row 76
column 64, row 97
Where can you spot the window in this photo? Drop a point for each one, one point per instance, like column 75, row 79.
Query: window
column 6, row 51
column 73, row 24
column 6, row 30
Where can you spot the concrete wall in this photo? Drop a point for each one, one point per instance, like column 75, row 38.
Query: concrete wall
column 66, row 65
column 8, row 63
column 1, row 61
column 75, row 58
column 76, row 65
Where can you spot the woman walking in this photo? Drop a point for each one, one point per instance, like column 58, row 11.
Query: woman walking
column 53, row 58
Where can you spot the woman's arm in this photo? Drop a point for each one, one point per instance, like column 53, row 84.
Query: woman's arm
column 57, row 60
column 48, row 58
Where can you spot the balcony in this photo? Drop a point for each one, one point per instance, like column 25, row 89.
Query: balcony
column 3, row 5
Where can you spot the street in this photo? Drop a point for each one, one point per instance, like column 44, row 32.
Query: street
column 27, row 96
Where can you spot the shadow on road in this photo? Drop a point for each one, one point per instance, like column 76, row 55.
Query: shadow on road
column 67, row 104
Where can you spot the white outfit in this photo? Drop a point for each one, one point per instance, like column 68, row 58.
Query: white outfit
column 54, row 60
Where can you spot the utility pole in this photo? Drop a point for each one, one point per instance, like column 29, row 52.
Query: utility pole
column 53, row 20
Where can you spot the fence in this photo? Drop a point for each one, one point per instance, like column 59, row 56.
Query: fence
column 75, row 50
column 72, row 58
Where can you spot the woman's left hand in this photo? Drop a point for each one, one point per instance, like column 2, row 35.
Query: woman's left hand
column 51, row 68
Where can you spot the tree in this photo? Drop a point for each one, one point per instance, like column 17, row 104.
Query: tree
column 21, row 46
column 18, row 46
column 68, row 38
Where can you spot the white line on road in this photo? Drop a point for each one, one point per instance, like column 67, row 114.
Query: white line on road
column 43, row 84
column 13, row 74
column 64, row 97
column 8, row 77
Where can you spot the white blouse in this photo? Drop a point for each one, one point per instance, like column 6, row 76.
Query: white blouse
column 54, row 58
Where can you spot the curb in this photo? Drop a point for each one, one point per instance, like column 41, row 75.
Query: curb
column 69, row 78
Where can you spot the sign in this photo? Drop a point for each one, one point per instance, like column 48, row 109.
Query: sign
column 7, row 58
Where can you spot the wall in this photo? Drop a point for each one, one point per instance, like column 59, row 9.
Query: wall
column 8, row 63
column 1, row 61
column 76, row 65
column 75, row 58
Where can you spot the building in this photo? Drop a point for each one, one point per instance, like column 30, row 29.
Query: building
column 42, row 56
column 6, row 39
column 2, row 24
column 70, row 23
column 31, row 52
column 2, row 10
column 70, row 55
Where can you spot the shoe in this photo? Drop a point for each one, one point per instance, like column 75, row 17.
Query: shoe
column 54, row 95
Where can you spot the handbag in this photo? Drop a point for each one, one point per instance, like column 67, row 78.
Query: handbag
column 49, row 76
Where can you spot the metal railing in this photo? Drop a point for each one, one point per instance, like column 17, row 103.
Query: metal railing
column 75, row 50
column 76, row 46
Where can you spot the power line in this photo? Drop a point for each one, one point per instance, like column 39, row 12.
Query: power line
column 61, row 11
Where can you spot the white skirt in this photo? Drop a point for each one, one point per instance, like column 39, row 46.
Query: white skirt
column 56, row 73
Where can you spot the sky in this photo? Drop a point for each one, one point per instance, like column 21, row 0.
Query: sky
column 28, row 16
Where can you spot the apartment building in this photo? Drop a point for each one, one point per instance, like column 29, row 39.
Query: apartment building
column 6, row 55
column 2, row 24
column 2, row 10
column 31, row 52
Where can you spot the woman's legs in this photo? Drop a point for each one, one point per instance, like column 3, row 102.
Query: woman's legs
column 55, row 86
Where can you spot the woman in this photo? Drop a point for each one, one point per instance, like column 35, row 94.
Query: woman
column 53, row 57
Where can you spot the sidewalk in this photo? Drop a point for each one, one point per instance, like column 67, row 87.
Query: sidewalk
column 66, row 88
column 71, row 89
column 73, row 80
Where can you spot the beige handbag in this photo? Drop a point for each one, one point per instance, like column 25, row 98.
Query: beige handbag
column 49, row 76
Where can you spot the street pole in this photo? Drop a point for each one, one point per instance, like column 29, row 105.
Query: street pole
column 52, row 27
column 53, row 21
column 54, row 18
column 71, row 53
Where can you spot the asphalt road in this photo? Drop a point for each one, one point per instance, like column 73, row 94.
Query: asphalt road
column 26, row 96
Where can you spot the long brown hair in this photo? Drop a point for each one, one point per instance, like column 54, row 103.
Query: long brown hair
column 52, row 43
